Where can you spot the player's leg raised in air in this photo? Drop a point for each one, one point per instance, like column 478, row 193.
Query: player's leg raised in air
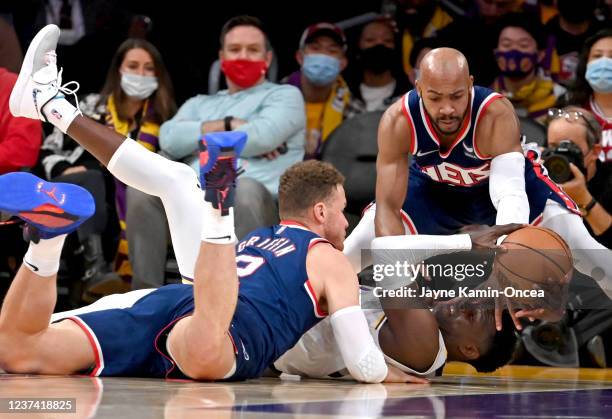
column 39, row 94
column 28, row 343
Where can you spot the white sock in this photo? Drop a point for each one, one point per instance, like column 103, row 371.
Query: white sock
column 43, row 258
column 217, row 228
column 60, row 113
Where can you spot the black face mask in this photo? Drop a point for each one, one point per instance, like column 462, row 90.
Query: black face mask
column 575, row 11
column 377, row 59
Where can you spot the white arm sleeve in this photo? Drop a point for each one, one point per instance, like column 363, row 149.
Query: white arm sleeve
column 413, row 249
column 507, row 188
column 362, row 357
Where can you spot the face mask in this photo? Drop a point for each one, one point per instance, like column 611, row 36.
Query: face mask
column 244, row 73
column 599, row 75
column 377, row 59
column 320, row 69
column 516, row 64
column 137, row 86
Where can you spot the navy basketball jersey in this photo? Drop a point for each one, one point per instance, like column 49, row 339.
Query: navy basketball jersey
column 462, row 164
column 274, row 284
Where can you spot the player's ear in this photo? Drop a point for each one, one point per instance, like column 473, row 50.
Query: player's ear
column 469, row 351
column 319, row 212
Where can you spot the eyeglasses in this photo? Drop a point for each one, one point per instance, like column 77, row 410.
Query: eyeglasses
column 571, row 116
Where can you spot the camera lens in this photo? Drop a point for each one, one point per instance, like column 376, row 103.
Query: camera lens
column 558, row 168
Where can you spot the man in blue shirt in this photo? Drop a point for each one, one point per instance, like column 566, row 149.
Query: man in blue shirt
column 273, row 117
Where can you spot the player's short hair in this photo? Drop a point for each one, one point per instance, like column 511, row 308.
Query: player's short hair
column 502, row 348
column 243, row 20
column 304, row 184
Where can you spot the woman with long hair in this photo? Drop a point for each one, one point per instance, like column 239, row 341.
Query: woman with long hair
column 136, row 99
column 593, row 86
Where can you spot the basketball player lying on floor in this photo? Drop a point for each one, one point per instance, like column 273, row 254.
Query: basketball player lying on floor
column 467, row 167
column 415, row 340
column 291, row 275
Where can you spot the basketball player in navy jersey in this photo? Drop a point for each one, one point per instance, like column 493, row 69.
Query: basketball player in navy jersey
column 290, row 275
column 467, row 167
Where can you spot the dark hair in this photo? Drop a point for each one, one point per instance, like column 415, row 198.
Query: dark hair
column 162, row 99
column 304, row 184
column 243, row 20
column 526, row 21
column 502, row 348
column 581, row 90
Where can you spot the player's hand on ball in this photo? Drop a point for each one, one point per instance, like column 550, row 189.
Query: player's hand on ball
column 486, row 237
column 395, row 375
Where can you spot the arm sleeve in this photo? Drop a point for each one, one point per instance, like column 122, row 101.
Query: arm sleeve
column 280, row 117
column 362, row 357
column 178, row 137
column 507, row 188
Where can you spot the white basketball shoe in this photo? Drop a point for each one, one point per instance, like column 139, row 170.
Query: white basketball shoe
column 39, row 82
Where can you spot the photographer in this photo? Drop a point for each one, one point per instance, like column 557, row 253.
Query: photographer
column 573, row 137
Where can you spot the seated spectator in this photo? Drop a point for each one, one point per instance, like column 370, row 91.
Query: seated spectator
column 520, row 47
column 271, row 115
column 590, row 188
column 568, row 31
column 417, row 19
column 322, row 57
column 420, row 49
column 377, row 78
column 19, row 137
column 475, row 35
column 593, row 87
column 136, row 98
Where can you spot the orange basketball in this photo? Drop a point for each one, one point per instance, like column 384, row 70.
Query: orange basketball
column 536, row 258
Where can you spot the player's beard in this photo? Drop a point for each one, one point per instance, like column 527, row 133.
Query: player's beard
column 460, row 121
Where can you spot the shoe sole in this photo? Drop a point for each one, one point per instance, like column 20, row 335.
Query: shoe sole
column 51, row 207
column 27, row 68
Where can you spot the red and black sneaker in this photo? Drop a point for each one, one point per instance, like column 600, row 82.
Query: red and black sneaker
column 219, row 154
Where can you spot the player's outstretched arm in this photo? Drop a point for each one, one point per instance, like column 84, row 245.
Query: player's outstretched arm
column 332, row 275
column 498, row 136
column 394, row 138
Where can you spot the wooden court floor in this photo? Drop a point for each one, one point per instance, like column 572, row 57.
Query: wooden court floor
column 512, row 392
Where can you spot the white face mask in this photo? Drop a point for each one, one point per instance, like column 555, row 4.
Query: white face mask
column 137, row 86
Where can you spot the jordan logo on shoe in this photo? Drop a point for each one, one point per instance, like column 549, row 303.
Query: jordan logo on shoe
column 51, row 194
column 34, row 268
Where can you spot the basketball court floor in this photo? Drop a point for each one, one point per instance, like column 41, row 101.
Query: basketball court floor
column 512, row 392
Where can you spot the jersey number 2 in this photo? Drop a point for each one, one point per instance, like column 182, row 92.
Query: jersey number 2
column 246, row 264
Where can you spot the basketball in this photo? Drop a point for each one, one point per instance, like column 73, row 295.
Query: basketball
column 536, row 258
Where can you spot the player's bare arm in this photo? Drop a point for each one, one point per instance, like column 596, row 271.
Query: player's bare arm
column 498, row 131
column 394, row 138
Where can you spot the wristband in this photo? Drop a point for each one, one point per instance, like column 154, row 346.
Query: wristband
column 228, row 122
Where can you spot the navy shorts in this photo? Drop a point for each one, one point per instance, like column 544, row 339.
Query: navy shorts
column 437, row 208
column 132, row 341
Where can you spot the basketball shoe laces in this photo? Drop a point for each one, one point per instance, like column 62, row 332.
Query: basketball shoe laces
column 51, row 59
column 221, row 182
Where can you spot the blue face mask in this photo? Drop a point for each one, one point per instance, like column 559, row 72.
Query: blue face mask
column 599, row 75
column 320, row 69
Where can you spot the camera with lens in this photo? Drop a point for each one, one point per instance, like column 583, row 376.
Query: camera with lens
column 557, row 161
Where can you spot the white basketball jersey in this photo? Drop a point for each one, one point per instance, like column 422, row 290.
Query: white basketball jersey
column 316, row 354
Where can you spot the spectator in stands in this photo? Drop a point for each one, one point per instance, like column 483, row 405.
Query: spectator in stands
column 322, row 57
column 593, row 87
column 591, row 189
column 520, row 47
column 10, row 50
column 420, row 49
column 376, row 75
column 19, row 137
column 568, row 31
column 136, row 98
column 476, row 36
column 418, row 19
column 272, row 115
